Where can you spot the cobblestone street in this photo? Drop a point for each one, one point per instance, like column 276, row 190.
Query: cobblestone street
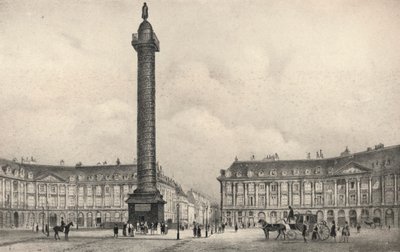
column 243, row 240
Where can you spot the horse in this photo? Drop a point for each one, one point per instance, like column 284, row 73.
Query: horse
column 266, row 227
column 60, row 229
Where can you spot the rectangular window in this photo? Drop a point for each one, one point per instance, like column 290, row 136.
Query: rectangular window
column 228, row 188
column 62, row 202
column 262, row 201
column 80, row 201
column 229, row 200
column 296, row 188
column 62, row 190
column 71, row 190
column 98, row 202
column 89, row 201
column 274, row 200
column 98, row 190
column 352, row 199
column 307, row 199
column 42, row 188
column 251, row 188
column 31, row 188
column 284, row 200
column 240, row 200
column 80, row 191
column 71, row 201
column 53, row 201
column 284, row 187
column 262, row 187
column 273, row 188
column 89, row 190
column 31, row 201
column 296, row 200
column 107, row 201
column 364, row 199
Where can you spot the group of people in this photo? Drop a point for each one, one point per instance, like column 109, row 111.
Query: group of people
column 196, row 230
column 129, row 229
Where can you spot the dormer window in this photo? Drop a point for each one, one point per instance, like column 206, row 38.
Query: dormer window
column 30, row 175
column 71, row 178
column 22, row 172
column 318, row 170
column 308, row 171
column 261, row 174
column 273, row 172
column 296, row 172
column 238, row 174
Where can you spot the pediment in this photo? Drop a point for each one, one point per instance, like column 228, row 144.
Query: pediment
column 50, row 178
column 352, row 168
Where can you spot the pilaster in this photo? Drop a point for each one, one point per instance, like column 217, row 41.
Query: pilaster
column 370, row 190
column 383, row 190
column 347, row 194
column 336, row 196
column 358, row 192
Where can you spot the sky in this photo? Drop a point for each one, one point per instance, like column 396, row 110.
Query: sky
column 233, row 78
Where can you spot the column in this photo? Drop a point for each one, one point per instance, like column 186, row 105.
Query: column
column 245, row 194
column 358, row 192
column 4, row 192
column 11, row 194
column 395, row 189
column 18, row 194
column 279, row 194
column 290, row 193
column 383, row 189
column 58, row 196
column 256, row 197
column 335, row 196
column 302, row 193
column 347, row 192
column 234, row 194
column 267, row 197
column 25, row 198
column 370, row 190
column 313, row 194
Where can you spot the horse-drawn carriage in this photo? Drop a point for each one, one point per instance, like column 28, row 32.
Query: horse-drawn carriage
column 309, row 220
column 294, row 229
column 375, row 222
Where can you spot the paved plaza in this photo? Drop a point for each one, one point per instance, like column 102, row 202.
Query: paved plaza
column 243, row 240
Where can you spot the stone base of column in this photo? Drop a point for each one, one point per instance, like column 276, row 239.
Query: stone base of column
column 146, row 207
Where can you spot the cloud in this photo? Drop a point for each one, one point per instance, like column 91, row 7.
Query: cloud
column 233, row 78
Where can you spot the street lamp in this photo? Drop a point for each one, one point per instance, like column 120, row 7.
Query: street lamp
column 206, row 221
column 177, row 227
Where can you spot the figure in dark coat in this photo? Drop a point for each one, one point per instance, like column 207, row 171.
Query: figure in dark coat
column 124, row 230
column 333, row 230
column 115, row 230
column 291, row 215
column 304, row 233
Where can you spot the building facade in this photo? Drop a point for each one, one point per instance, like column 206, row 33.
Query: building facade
column 352, row 187
column 90, row 196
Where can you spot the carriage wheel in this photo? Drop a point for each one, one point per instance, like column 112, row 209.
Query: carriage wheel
column 323, row 232
column 291, row 235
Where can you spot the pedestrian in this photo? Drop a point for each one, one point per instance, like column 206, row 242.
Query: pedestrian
column 124, row 229
column 304, row 232
column 129, row 229
column 152, row 228
column 389, row 228
column 47, row 230
column 236, row 227
column 198, row 231
column 314, row 236
column 291, row 215
column 333, row 230
column 115, row 230
column 37, row 228
column 358, row 228
column 194, row 231
column 346, row 232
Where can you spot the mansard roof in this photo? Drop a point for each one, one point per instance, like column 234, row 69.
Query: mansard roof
column 61, row 173
column 370, row 161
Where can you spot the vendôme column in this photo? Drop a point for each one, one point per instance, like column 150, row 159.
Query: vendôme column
column 146, row 203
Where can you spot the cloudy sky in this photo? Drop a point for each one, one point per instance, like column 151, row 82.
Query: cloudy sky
column 233, row 78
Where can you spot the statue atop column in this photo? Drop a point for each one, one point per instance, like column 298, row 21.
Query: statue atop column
column 145, row 11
